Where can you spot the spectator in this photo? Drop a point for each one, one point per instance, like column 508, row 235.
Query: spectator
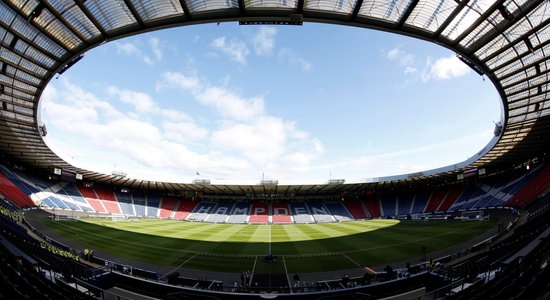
column 389, row 272
column 345, row 280
column 296, row 280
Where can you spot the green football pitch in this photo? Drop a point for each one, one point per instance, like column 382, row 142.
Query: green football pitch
column 298, row 247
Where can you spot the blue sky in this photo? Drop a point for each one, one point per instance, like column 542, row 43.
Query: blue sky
column 299, row 104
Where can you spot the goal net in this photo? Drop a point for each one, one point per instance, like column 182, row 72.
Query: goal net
column 119, row 218
column 473, row 215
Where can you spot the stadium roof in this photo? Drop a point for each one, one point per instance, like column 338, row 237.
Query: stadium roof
column 508, row 42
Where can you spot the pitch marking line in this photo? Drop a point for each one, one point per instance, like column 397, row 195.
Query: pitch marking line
column 253, row 270
column 353, row 261
column 287, row 278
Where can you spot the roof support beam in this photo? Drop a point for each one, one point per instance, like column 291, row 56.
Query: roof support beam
column 523, row 69
column 84, row 9
column 451, row 17
column 407, row 13
column 186, row 12
column 356, row 9
column 30, row 19
column 504, row 25
column 517, row 40
column 134, row 13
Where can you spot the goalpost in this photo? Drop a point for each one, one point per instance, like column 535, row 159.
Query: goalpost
column 473, row 215
column 119, row 218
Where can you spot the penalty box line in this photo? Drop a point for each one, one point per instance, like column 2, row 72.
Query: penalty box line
column 349, row 258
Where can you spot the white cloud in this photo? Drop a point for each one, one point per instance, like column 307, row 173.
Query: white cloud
column 154, row 43
column 290, row 56
column 246, row 140
column 141, row 102
column 448, row 68
column 226, row 102
column 404, row 58
column 230, row 105
column 444, row 68
column 135, row 49
column 235, row 49
column 264, row 40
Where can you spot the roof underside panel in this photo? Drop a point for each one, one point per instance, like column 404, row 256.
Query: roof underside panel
column 508, row 41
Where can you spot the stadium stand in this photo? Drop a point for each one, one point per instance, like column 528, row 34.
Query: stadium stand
column 281, row 213
column 388, row 205
column 220, row 213
column 404, row 204
column 201, row 211
column 240, row 213
column 420, row 201
column 373, row 206
column 13, row 193
column 339, row 211
column 90, row 195
column 183, row 210
column 153, row 204
column 435, row 200
column 301, row 213
column 450, row 198
column 539, row 184
column 125, row 202
column 355, row 207
column 108, row 200
column 259, row 213
column 320, row 213
column 139, row 204
column 167, row 207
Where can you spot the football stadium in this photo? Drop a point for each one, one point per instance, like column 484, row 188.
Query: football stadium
column 475, row 229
